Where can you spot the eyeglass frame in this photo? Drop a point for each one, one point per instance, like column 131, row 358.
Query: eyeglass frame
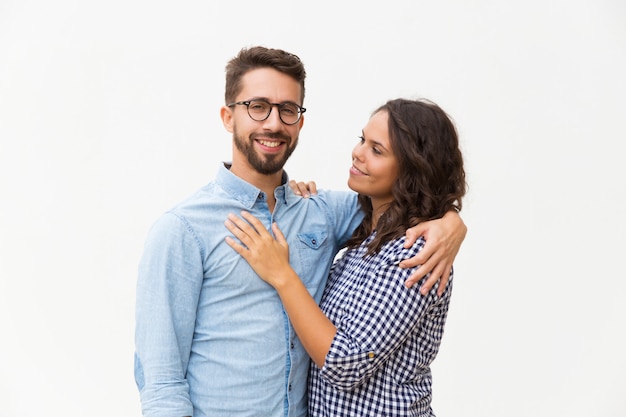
column 247, row 103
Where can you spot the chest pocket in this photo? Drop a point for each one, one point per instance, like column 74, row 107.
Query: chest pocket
column 311, row 250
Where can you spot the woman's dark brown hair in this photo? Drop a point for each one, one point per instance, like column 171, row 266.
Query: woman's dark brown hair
column 431, row 177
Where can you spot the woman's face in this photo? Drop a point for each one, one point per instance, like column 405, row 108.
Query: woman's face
column 374, row 166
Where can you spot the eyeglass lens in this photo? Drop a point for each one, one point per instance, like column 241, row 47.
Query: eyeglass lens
column 260, row 110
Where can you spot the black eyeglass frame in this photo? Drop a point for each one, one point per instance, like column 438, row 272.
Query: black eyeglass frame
column 277, row 105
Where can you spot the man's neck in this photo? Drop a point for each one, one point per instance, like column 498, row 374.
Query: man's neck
column 266, row 183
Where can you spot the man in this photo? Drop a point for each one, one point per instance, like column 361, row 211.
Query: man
column 211, row 337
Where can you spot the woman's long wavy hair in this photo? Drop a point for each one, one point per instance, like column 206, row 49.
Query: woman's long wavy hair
column 431, row 177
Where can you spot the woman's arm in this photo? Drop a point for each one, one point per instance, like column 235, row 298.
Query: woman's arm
column 381, row 320
column 269, row 257
column 443, row 240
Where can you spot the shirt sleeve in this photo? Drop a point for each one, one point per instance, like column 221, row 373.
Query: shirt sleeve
column 379, row 318
column 344, row 213
column 168, row 287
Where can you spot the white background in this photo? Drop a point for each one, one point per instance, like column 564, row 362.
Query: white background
column 109, row 115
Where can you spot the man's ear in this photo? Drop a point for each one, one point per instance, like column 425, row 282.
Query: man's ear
column 226, row 113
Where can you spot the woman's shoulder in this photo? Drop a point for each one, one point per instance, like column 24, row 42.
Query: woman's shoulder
column 395, row 250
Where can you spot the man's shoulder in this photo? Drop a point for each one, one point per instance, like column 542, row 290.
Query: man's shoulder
column 336, row 196
column 192, row 203
column 204, row 192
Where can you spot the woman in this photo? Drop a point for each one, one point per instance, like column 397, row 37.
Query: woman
column 372, row 339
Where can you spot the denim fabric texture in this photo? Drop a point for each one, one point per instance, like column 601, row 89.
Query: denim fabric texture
column 212, row 338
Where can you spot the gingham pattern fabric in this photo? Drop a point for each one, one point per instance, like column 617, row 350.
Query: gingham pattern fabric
column 387, row 337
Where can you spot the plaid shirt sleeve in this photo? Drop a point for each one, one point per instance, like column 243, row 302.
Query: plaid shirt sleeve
column 377, row 318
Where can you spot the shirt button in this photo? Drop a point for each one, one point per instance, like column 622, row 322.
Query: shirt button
column 314, row 241
column 370, row 355
column 289, row 387
column 292, row 345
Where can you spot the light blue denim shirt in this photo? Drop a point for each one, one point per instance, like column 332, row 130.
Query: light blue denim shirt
column 212, row 339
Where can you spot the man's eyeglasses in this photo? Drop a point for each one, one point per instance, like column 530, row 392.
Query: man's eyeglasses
column 260, row 109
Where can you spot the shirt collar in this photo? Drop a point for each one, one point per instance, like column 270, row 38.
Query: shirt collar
column 247, row 193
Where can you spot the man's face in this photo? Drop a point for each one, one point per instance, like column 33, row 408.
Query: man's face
column 264, row 145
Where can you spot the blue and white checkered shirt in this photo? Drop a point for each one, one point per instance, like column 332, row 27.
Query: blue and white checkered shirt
column 387, row 337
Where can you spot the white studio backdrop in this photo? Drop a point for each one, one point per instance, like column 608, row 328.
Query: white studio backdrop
column 109, row 114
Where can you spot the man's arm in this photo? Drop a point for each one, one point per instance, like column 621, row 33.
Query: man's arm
column 169, row 282
column 443, row 240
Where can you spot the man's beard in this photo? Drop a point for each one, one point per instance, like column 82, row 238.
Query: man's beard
column 267, row 164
